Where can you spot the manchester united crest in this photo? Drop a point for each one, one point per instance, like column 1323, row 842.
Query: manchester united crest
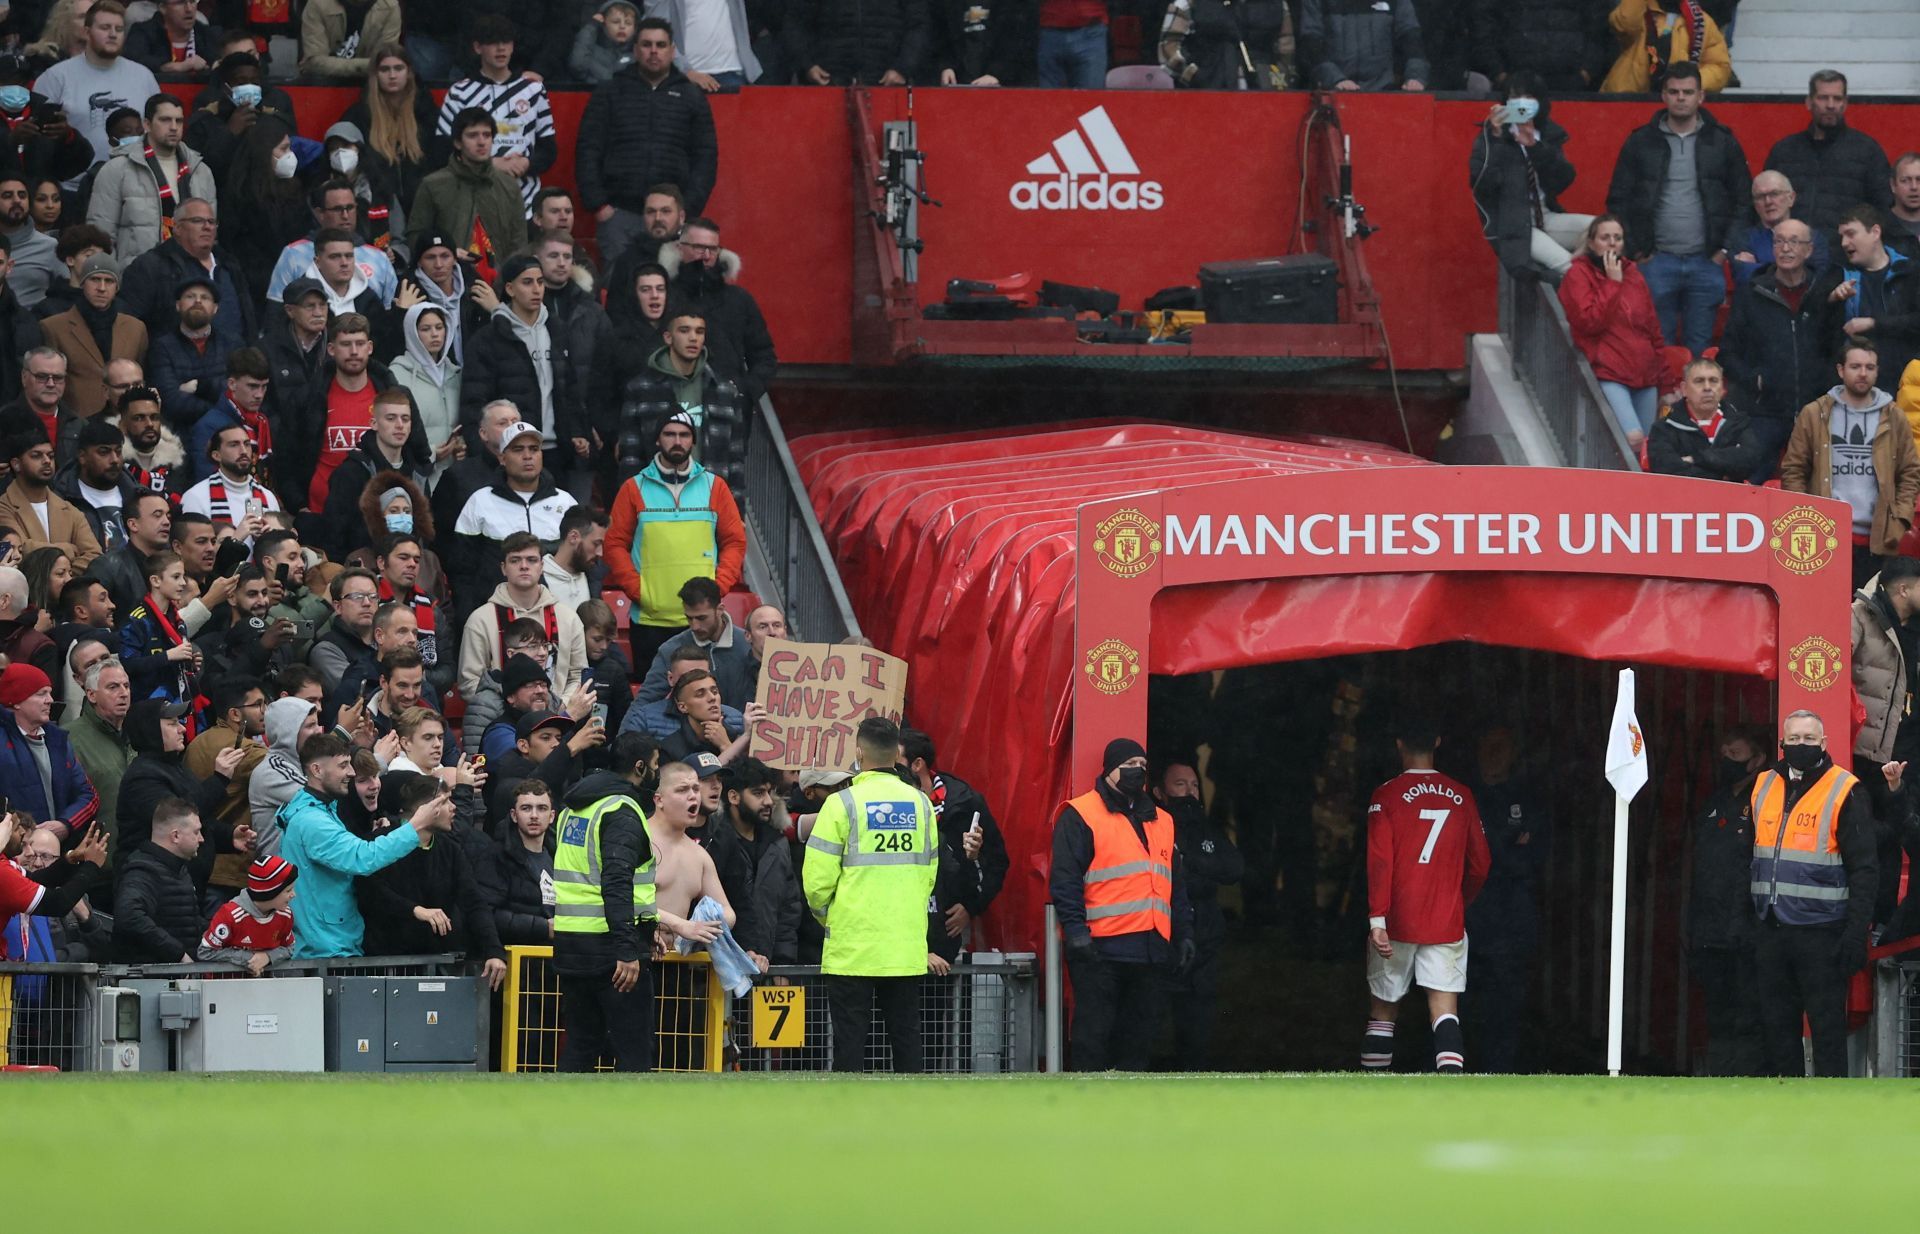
column 1127, row 542
column 1803, row 540
column 1815, row 664
column 1113, row 666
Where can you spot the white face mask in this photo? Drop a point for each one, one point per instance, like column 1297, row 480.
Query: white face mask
column 344, row 160
column 285, row 165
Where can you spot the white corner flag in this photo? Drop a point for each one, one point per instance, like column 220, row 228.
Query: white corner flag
column 1627, row 772
column 1626, row 748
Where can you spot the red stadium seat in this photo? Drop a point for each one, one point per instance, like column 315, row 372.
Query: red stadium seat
column 622, row 607
column 739, row 602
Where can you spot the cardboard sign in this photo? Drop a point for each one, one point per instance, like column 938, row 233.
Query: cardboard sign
column 816, row 694
column 779, row 1017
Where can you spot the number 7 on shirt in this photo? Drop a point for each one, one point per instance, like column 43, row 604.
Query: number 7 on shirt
column 1439, row 820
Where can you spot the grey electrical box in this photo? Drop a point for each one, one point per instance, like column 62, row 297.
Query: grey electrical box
column 403, row 1024
column 245, row 1025
column 155, row 1046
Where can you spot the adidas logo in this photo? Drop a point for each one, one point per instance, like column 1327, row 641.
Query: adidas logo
column 1090, row 168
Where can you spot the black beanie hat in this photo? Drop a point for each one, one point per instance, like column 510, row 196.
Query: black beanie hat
column 1119, row 750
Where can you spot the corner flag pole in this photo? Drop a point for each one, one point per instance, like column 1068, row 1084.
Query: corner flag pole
column 1627, row 772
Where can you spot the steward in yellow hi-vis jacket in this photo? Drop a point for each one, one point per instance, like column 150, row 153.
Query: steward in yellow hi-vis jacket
column 869, row 872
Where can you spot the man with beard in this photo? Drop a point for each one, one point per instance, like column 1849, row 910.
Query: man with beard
column 755, row 865
column 158, row 735
column 1831, row 165
column 152, row 454
column 97, row 484
column 189, row 363
column 583, row 535
column 124, row 569
column 36, row 258
column 254, row 642
column 150, row 282
column 703, row 274
column 231, row 495
column 43, row 516
column 1122, row 904
column 326, row 918
column 652, row 557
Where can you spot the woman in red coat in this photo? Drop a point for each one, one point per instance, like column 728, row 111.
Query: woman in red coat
column 1615, row 326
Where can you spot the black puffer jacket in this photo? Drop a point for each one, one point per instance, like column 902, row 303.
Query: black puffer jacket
column 761, row 886
column 1832, row 176
column 499, row 366
column 291, row 386
column 152, row 777
column 644, row 397
column 156, row 911
column 1726, row 185
column 856, row 40
column 1497, row 170
column 1566, row 42
column 520, row 914
column 739, row 345
column 1778, row 360
column 634, row 135
column 589, row 334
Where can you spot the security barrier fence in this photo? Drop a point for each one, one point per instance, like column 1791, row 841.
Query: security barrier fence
column 1891, row 1042
column 980, row 1019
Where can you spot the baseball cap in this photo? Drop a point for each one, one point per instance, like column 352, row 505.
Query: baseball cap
column 517, row 430
column 824, row 779
column 534, row 721
column 301, row 288
column 196, row 280
column 705, row 765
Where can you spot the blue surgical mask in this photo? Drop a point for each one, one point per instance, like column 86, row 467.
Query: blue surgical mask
column 131, row 139
column 246, row 96
column 399, row 522
column 15, row 98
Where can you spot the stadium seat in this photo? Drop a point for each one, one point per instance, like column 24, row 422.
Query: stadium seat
column 1139, row 77
column 452, row 706
column 622, row 607
column 739, row 602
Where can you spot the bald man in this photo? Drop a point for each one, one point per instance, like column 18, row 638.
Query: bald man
column 1773, row 199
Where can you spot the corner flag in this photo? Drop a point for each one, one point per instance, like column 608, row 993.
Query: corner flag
column 1626, row 748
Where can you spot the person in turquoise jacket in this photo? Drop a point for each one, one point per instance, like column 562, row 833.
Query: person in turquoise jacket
column 326, row 920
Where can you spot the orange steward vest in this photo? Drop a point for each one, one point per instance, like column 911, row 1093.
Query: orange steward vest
column 1797, row 871
column 1128, row 888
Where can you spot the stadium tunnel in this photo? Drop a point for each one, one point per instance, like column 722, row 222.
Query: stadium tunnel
column 969, row 554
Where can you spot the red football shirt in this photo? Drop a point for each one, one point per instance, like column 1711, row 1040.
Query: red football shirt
column 18, row 893
column 1426, row 857
column 349, row 416
column 235, row 927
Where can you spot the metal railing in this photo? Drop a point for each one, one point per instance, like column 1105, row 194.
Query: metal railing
column 977, row 1020
column 689, row 1013
column 782, row 521
column 1535, row 330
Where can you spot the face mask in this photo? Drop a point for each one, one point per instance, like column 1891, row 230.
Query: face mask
column 1730, row 772
column 344, row 161
column 399, row 522
column 246, row 96
column 1132, row 780
column 1803, row 758
column 286, row 165
column 131, row 139
column 15, row 98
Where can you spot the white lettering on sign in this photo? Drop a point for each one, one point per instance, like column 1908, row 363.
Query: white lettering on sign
column 1707, row 533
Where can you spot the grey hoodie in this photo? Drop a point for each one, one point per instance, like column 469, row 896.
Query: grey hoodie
column 280, row 775
column 1851, row 431
column 539, row 344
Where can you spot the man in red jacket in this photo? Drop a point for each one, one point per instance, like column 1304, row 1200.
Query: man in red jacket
column 1426, row 860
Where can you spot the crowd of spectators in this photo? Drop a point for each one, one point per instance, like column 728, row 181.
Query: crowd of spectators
column 348, row 503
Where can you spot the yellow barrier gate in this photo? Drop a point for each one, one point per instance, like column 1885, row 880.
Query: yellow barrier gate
column 690, row 1011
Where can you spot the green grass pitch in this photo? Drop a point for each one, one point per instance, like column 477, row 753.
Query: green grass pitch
column 1413, row 1154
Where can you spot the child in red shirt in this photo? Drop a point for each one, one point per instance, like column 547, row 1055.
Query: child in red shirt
column 255, row 928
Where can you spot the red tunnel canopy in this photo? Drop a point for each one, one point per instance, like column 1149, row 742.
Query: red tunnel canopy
column 958, row 554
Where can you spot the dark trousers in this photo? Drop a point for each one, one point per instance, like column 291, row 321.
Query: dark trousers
column 1865, row 565
column 1800, row 974
column 851, row 1000
column 1770, row 433
column 1194, row 996
column 1117, row 1010
column 645, row 642
column 602, row 1022
column 1729, row 990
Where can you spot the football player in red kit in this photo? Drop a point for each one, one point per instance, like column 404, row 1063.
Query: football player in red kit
column 1426, row 860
